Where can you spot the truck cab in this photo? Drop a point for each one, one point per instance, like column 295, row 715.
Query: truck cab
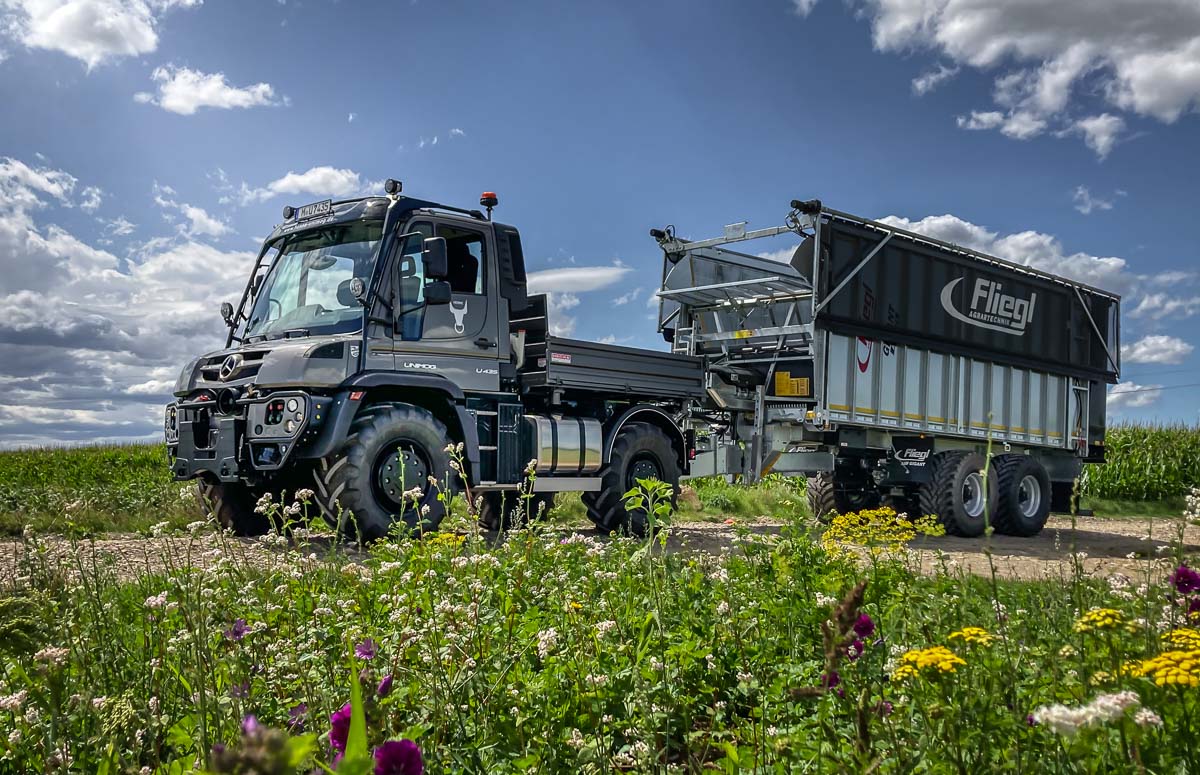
column 384, row 341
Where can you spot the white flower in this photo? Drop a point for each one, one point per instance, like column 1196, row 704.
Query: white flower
column 159, row 528
column 547, row 642
column 99, row 702
column 1104, row 708
column 303, row 495
column 13, row 702
column 52, row 655
column 824, row 601
column 603, row 628
column 195, row 527
column 722, row 608
column 1147, row 718
column 157, row 601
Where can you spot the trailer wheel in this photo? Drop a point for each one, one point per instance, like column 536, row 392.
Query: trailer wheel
column 1024, row 490
column 957, row 494
column 641, row 451
column 498, row 509
column 829, row 494
column 390, row 450
column 232, row 504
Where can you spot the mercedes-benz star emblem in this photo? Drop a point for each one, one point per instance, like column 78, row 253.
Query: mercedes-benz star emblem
column 230, row 367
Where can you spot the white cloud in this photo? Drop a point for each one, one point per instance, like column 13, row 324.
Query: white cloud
column 1157, row 348
column 1141, row 56
column 1086, row 203
column 575, row 279
column 118, row 227
column 317, row 181
column 557, row 304
column 931, row 79
column 803, row 7
column 627, row 297
column 92, row 197
column 92, row 31
column 350, row 118
column 1031, row 248
column 456, row 132
column 184, row 91
column 1128, row 395
column 1100, row 133
column 199, row 222
column 1157, row 306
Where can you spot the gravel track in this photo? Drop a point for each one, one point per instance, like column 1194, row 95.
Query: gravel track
column 1103, row 547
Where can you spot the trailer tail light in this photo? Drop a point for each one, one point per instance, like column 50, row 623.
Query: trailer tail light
column 689, row 440
column 357, row 395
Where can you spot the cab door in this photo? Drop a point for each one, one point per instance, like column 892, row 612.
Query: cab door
column 459, row 340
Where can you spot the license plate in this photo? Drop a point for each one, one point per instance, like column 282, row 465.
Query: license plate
column 314, row 210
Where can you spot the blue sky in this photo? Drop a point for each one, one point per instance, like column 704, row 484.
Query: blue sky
column 147, row 145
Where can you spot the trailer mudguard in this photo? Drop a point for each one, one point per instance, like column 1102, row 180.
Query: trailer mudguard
column 654, row 416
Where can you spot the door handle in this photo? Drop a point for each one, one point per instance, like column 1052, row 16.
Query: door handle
column 483, row 341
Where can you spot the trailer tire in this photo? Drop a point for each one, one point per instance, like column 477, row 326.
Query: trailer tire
column 828, row 496
column 357, row 486
column 956, row 493
column 497, row 509
column 232, row 505
column 1024, row 492
column 641, row 451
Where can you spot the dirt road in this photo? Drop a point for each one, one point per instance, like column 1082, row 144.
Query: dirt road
column 1103, row 547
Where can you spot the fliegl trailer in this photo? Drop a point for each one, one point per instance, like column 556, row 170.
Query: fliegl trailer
column 891, row 368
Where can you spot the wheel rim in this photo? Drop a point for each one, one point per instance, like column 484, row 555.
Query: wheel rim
column 972, row 495
column 642, row 467
column 399, row 469
column 1029, row 496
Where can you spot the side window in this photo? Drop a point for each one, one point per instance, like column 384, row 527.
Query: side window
column 466, row 253
column 410, row 276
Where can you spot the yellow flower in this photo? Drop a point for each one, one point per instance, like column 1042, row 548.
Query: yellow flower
column 1184, row 638
column 575, row 606
column 1099, row 619
column 879, row 530
column 974, row 635
column 938, row 660
column 1179, row 668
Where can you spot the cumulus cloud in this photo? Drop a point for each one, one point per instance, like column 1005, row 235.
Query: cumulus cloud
column 92, row 31
column 1157, row 306
column 575, row 279
column 91, row 343
column 92, row 196
column 1140, row 56
column 184, row 91
column 1157, row 348
column 316, row 181
column 1087, row 203
column 1130, row 395
column 197, row 221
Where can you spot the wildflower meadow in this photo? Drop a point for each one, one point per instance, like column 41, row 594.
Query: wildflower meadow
column 547, row 650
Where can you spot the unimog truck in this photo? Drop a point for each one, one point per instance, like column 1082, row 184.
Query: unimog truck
column 374, row 333
column 386, row 343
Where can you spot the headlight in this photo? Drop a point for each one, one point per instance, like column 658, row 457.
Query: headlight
column 171, row 424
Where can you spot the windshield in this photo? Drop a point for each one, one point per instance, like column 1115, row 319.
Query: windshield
column 308, row 285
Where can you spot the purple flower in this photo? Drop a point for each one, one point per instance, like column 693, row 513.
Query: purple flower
column 250, row 725
column 238, row 630
column 1185, row 580
column 830, row 679
column 240, row 691
column 399, row 757
column 1194, row 608
column 864, row 627
column 339, row 728
column 855, row 649
column 365, row 650
column 385, row 686
column 296, row 716
column 1030, row 720
column 884, row 708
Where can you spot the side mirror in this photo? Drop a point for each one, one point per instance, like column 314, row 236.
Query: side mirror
column 227, row 313
column 358, row 289
column 438, row 292
column 433, row 257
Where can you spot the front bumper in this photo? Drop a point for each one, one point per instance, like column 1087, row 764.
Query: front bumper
column 231, row 438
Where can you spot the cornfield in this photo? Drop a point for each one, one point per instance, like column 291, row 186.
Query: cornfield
column 1146, row 462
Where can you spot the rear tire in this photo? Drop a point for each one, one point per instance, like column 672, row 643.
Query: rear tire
column 503, row 509
column 1024, row 491
column 955, row 493
column 391, row 448
column 232, row 505
column 829, row 494
column 641, row 451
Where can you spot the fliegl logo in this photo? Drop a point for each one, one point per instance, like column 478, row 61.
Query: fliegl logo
column 991, row 307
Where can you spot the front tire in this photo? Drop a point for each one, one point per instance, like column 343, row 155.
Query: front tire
column 1024, row 490
column 232, row 505
column 829, row 495
column 392, row 449
column 957, row 493
column 641, row 451
column 504, row 509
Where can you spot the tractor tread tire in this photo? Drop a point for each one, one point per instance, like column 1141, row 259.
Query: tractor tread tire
column 232, row 505
column 497, row 509
column 1010, row 470
column 343, row 479
column 942, row 495
column 822, row 498
column 606, row 508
